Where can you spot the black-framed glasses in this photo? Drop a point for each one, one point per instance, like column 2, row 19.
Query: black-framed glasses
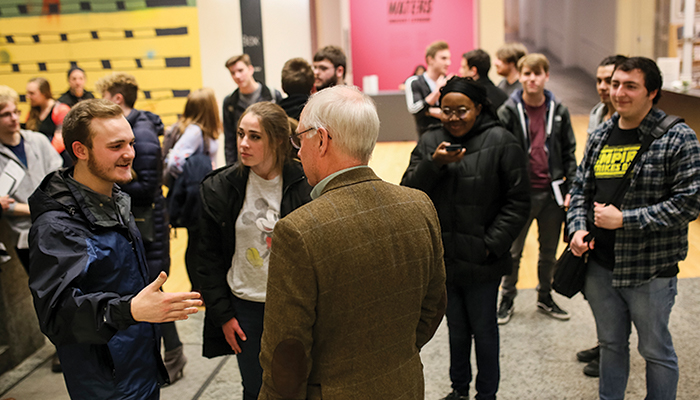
column 460, row 112
column 295, row 138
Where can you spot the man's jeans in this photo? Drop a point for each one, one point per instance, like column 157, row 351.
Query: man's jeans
column 549, row 218
column 648, row 306
column 471, row 313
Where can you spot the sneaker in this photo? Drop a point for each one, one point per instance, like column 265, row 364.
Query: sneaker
column 592, row 369
column 454, row 395
column 505, row 310
column 588, row 355
column 549, row 307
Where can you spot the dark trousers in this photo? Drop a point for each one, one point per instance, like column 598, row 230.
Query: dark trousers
column 549, row 218
column 23, row 255
column 471, row 312
column 250, row 318
column 191, row 257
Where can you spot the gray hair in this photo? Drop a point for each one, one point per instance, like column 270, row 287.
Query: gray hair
column 349, row 116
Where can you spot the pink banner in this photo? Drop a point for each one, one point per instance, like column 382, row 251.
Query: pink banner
column 389, row 37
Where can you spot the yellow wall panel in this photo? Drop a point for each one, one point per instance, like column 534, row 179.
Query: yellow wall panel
column 160, row 47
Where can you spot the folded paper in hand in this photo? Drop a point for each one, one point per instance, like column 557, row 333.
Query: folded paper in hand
column 11, row 177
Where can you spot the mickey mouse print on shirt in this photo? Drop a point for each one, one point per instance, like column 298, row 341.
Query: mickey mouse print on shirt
column 264, row 220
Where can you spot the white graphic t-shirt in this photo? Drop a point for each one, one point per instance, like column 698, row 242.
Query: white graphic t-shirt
column 247, row 276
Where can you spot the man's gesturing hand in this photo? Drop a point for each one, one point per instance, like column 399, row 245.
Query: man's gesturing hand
column 152, row 305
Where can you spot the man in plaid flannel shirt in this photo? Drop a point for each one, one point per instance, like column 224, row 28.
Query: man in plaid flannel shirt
column 633, row 260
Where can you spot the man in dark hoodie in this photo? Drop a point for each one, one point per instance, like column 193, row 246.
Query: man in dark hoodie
column 476, row 64
column 88, row 272
column 147, row 201
column 297, row 82
column 249, row 92
column 542, row 126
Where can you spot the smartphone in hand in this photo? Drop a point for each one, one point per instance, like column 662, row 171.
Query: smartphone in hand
column 454, row 147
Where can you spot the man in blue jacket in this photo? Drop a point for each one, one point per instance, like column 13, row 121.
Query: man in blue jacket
column 88, row 273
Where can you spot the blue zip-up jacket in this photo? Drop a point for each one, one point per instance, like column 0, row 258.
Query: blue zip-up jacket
column 560, row 143
column 84, row 271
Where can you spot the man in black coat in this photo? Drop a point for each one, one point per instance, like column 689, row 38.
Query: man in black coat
column 297, row 82
column 476, row 64
column 249, row 92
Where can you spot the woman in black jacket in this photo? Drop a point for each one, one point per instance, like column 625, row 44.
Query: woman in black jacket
column 241, row 204
column 474, row 171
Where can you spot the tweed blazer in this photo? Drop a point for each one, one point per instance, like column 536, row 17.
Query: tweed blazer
column 356, row 287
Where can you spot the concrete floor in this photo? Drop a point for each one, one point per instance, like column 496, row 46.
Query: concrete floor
column 537, row 358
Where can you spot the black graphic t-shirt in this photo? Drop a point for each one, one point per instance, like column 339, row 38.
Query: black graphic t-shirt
column 610, row 167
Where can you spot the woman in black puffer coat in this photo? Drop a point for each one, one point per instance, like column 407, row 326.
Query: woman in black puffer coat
column 481, row 193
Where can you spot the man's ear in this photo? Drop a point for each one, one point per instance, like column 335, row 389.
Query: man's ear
column 324, row 141
column 340, row 71
column 653, row 93
column 118, row 99
column 80, row 151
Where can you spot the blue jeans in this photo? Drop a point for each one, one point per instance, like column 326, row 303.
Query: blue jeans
column 471, row 312
column 550, row 217
column 647, row 306
column 250, row 318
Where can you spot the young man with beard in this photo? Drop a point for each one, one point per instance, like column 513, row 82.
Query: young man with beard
column 330, row 65
column 88, row 273
column 423, row 91
column 249, row 92
column 639, row 241
column 542, row 126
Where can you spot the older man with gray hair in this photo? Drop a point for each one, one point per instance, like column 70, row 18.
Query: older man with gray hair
column 356, row 281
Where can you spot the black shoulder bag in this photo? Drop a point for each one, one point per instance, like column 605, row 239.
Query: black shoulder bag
column 569, row 270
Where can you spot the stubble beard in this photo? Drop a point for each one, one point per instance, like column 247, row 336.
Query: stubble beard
column 328, row 83
column 103, row 174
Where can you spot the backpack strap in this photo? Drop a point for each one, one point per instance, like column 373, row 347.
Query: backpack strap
column 665, row 125
column 656, row 132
